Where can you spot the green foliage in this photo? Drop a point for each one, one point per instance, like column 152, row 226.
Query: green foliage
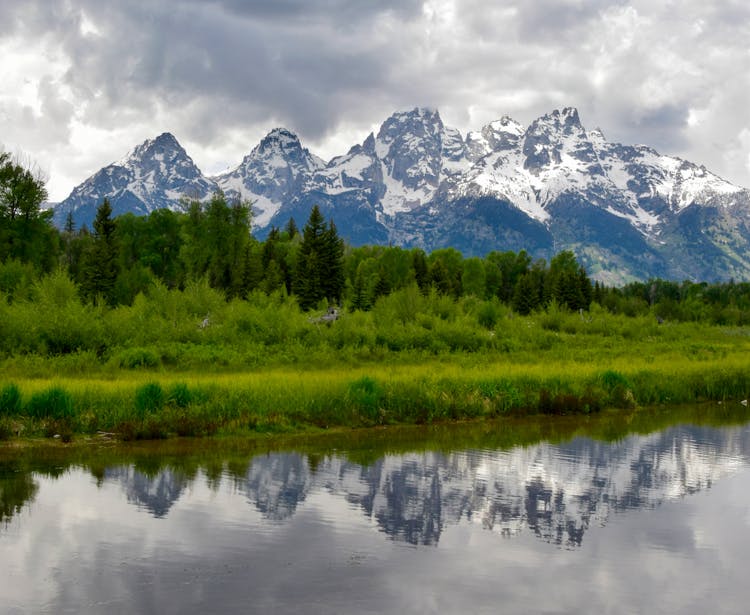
column 68, row 325
column 16, row 279
column 25, row 230
column 179, row 395
column 320, row 269
column 489, row 313
column 367, row 398
column 134, row 358
column 215, row 243
column 10, row 400
column 52, row 403
column 149, row 399
column 618, row 388
column 474, row 278
column 100, row 262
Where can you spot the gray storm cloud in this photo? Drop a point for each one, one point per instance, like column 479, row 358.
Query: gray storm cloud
column 100, row 76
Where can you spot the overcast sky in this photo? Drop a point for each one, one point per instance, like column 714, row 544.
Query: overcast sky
column 84, row 81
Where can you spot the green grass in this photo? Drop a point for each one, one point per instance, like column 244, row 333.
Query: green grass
column 263, row 367
column 147, row 405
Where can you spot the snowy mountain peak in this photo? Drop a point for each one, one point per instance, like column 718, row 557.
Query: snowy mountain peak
column 502, row 134
column 559, row 140
column 419, row 123
column 165, row 145
column 158, row 173
column 416, row 153
column 280, row 138
column 277, row 167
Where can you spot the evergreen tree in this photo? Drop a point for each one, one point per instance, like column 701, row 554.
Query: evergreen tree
column 215, row 239
column 564, row 283
column 421, row 270
column 333, row 263
column 529, row 289
column 364, row 287
column 252, row 268
column 440, row 278
column 320, row 269
column 511, row 267
column 446, row 266
column 291, row 229
column 587, row 290
column 100, row 267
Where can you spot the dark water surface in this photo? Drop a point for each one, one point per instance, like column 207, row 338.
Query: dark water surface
column 654, row 523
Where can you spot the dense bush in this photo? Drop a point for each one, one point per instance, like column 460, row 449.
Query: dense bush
column 52, row 403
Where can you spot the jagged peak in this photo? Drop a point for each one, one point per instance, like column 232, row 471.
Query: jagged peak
column 421, row 115
column 280, row 137
column 566, row 117
column 167, row 138
column 369, row 144
column 165, row 142
column 421, row 112
column 506, row 124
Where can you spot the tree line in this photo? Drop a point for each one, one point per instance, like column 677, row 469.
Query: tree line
column 118, row 258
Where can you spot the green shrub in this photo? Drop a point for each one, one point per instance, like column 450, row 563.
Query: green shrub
column 10, row 400
column 618, row 388
column 149, row 399
column 179, row 395
column 489, row 314
column 133, row 358
column 367, row 397
column 52, row 403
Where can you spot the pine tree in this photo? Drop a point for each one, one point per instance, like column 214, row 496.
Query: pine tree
column 421, row 271
column 333, row 264
column 320, row 269
column 291, row 228
column 100, row 267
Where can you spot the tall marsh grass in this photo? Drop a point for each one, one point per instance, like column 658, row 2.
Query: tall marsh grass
column 136, row 405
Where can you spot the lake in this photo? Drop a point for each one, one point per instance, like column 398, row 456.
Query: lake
column 576, row 516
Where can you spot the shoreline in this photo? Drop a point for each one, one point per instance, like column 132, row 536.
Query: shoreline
column 287, row 402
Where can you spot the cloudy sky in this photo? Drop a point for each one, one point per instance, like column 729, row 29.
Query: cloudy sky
column 84, row 81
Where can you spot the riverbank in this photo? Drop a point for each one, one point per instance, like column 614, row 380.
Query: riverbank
column 149, row 404
column 365, row 370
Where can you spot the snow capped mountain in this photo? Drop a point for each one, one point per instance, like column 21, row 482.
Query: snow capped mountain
column 416, row 152
column 627, row 211
column 276, row 169
column 403, row 167
column 158, row 173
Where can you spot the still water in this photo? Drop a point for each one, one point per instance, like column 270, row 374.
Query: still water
column 654, row 523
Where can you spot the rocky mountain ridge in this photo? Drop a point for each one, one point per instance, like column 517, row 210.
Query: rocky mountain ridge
column 628, row 212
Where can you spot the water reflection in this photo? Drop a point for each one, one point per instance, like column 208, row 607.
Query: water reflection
column 154, row 492
column 554, row 492
column 17, row 487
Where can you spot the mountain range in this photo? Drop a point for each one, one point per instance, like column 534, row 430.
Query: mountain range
column 628, row 212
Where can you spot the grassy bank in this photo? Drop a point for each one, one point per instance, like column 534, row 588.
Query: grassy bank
column 148, row 404
column 156, row 369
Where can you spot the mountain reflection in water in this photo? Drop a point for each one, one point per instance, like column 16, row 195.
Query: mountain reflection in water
column 555, row 491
